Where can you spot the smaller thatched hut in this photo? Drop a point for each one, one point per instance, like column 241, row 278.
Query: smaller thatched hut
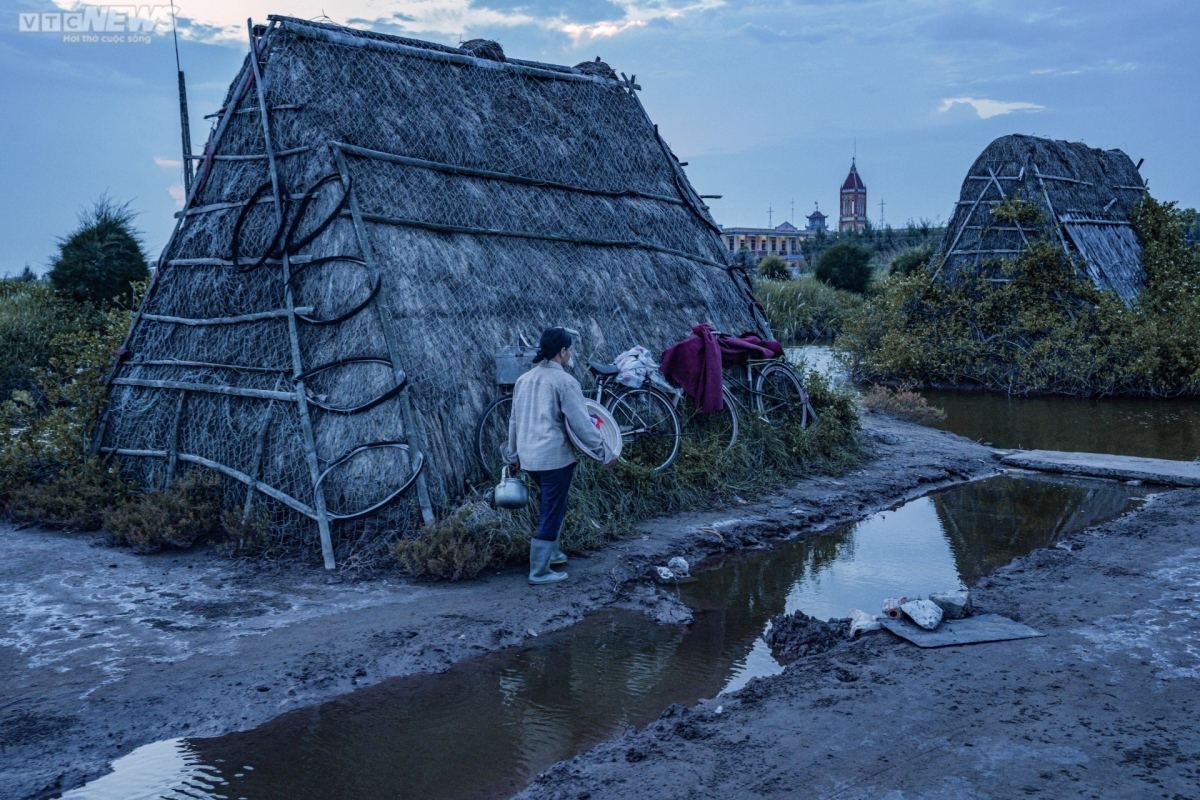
column 1085, row 196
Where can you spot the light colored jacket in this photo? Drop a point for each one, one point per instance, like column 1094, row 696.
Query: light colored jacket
column 545, row 400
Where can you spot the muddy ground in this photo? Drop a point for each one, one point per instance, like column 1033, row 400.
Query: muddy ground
column 1104, row 706
column 102, row 651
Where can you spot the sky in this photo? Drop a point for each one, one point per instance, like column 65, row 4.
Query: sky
column 766, row 101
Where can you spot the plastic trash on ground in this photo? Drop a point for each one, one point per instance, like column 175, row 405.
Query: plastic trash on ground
column 861, row 622
column 679, row 566
column 891, row 607
column 664, row 575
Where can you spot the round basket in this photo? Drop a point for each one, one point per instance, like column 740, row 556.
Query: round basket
column 602, row 418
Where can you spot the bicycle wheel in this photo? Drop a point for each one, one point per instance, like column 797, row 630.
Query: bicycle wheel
column 718, row 430
column 490, row 433
column 649, row 427
column 778, row 395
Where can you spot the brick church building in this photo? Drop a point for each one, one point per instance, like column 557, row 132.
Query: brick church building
column 853, row 216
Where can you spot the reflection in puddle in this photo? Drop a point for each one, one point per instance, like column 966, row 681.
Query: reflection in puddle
column 486, row 726
column 1129, row 426
column 170, row 769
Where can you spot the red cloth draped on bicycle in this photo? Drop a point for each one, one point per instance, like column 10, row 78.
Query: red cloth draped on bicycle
column 695, row 364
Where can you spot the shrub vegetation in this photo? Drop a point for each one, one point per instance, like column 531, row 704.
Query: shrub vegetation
column 911, row 259
column 100, row 261
column 845, row 266
column 902, row 403
column 31, row 316
column 1042, row 327
column 773, row 268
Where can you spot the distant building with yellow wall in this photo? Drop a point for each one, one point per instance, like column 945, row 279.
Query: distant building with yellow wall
column 783, row 240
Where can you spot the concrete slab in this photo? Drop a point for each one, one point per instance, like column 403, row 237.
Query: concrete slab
column 972, row 630
column 1101, row 465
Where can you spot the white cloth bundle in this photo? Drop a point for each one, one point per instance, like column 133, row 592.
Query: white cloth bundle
column 636, row 364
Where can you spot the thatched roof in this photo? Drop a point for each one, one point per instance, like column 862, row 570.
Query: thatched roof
column 471, row 199
column 1085, row 196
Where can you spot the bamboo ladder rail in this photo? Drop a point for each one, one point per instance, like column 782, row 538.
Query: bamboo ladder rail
column 412, row 435
column 245, row 77
column 310, row 444
column 172, row 453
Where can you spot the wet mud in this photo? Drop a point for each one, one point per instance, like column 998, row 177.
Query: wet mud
column 1104, row 706
column 102, row 651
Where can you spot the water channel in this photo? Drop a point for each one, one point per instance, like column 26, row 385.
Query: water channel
column 1128, row 426
column 488, row 725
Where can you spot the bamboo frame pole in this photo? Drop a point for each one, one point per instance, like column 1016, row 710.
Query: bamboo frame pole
column 222, row 125
column 383, row 309
column 310, row 443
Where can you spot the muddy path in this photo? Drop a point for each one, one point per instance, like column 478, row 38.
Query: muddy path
column 102, row 651
column 1104, row 706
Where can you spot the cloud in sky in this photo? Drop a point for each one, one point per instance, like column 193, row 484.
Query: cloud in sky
column 764, row 98
column 986, row 109
column 223, row 21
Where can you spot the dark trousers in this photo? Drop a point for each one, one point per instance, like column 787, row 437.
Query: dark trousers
column 554, row 483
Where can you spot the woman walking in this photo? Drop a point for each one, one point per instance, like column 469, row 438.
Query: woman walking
column 546, row 400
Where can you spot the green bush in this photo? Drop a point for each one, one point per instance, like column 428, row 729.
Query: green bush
column 102, row 258
column 48, row 442
column 463, row 544
column 75, row 498
column 1045, row 328
column 606, row 503
column 913, row 258
column 31, row 316
column 174, row 518
column 805, row 308
column 845, row 266
column 773, row 268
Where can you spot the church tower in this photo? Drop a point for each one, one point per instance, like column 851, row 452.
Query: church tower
column 854, row 202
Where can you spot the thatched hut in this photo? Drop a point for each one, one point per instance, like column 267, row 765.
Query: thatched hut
column 1084, row 194
column 373, row 218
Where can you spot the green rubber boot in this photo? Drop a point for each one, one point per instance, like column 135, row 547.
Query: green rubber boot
column 540, row 552
column 558, row 557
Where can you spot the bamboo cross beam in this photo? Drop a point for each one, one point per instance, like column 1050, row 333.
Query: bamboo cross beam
column 259, row 316
column 450, row 169
column 232, row 391
column 191, row 458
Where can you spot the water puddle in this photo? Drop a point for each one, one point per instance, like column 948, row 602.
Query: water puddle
column 485, row 727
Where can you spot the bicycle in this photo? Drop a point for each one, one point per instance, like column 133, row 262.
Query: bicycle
column 775, row 390
column 650, row 428
column 653, row 421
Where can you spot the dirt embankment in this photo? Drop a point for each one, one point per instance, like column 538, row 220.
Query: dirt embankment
column 102, row 651
column 1104, row 706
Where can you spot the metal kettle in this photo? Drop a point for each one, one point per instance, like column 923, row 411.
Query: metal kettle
column 510, row 493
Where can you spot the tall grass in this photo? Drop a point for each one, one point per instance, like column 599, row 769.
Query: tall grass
column 805, row 308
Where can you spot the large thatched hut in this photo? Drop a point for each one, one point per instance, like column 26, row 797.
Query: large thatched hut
column 1084, row 195
column 373, row 218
